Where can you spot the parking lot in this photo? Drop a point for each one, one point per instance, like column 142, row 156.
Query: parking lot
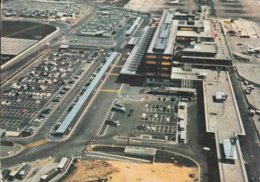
column 159, row 118
column 28, row 99
column 41, row 9
column 107, row 23
column 156, row 116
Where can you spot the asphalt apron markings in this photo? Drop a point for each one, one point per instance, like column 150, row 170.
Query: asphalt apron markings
column 118, row 66
column 36, row 143
column 113, row 74
column 109, row 90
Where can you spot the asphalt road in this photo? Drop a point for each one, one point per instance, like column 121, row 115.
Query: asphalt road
column 90, row 123
column 86, row 129
column 249, row 143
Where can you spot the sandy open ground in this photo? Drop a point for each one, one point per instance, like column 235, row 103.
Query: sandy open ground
column 145, row 5
column 129, row 172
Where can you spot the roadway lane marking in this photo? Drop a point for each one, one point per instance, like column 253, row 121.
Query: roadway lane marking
column 36, row 143
column 105, row 130
column 91, row 101
column 113, row 74
column 109, row 91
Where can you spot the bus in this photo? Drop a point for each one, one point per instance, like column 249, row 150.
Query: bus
column 182, row 137
column 62, row 163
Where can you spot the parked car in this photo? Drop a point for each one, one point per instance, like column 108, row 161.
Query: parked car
column 112, row 122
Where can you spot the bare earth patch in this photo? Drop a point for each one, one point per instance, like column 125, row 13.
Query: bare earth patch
column 129, row 172
column 145, row 5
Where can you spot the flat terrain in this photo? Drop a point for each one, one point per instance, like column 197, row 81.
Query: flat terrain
column 25, row 29
column 157, row 5
column 145, row 5
column 129, row 172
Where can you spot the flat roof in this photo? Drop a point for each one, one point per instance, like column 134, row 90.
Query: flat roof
column 224, row 120
column 174, row 90
column 226, row 112
column 135, row 150
column 179, row 74
column 164, row 36
column 182, row 33
column 14, row 46
column 70, row 117
column 203, row 48
column 135, row 58
column 207, row 33
column 133, row 26
column 133, row 41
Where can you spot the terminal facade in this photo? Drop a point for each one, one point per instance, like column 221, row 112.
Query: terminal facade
column 178, row 40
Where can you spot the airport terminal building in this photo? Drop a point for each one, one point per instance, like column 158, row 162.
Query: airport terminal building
column 178, row 39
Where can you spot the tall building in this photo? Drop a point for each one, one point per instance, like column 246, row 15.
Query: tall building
column 160, row 53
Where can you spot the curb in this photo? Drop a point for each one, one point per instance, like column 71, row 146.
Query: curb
column 15, row 153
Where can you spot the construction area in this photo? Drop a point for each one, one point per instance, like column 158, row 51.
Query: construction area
column 128, row 172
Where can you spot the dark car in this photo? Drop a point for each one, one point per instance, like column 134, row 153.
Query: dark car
column 112, row 122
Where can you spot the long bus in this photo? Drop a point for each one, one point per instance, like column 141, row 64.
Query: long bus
column 63, row 163
column 182, row 137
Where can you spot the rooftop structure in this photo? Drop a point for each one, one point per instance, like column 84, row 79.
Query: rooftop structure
column 134, row 150
column 201, row 48
column 66, row 124
column 136, row 56
column 164, row 36
column 229, row 149
column 133, row 41
column 222, row 119
column 133, row 26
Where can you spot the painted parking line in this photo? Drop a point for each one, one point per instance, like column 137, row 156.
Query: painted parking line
column 109, row 91
column 36, row 143
column 117, row 66
column 113, row 74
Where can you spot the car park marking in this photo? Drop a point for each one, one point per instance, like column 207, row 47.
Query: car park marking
column 113, row 74
column 21, row 105
column 36, row 143
column 117, row 66
column 109, row 91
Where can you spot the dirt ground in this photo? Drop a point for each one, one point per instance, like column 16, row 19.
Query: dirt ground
column 145, row 5
column 116, row 171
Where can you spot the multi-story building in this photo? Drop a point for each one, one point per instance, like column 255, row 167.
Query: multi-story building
column 178, row 39
column 160, row 53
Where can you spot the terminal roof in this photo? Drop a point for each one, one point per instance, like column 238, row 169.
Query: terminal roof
column 76, row 109
column 135, row 58
column 164, row 36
